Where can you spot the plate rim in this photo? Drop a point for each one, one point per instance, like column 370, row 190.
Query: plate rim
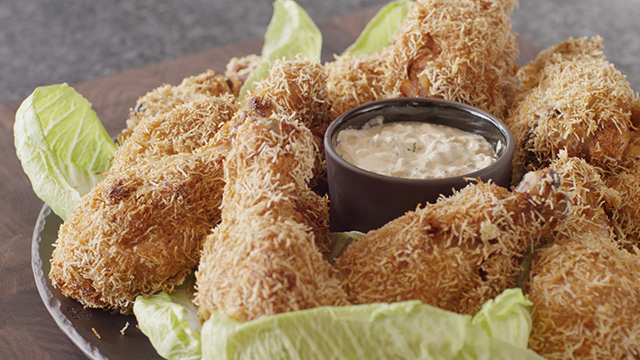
column 88, row 344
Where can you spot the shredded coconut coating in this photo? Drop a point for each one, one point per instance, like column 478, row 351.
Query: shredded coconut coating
column 586, row 299
column 456, row 253
column 262, row 259
column 140, row 229
column 298, row 88
column 462, row 50
column 625, row 179
column 592, row 200
column 183, row 129
column 166, row 97
column 295, row 89
column 571, row 98
column 626, row 216
column 238, row 70
column 354, row 80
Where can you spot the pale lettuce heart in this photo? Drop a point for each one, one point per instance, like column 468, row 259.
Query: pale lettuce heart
column 380, row 29
column 62, row 146
column 290, row 33
column 497, row 317
column 403, row 330
column 171, row 324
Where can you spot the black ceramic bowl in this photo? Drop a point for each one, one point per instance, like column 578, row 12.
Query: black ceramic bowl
column 362, row 200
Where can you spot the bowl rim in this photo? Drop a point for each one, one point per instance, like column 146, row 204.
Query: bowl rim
column 506, row 155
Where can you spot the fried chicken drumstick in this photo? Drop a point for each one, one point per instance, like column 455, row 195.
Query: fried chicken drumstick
column 571, row 98
column 209, row 83
column 266, row 256
column 463, row 50
column 262, row 259
column 456, row 253
column 140, row 229
column 586, row 299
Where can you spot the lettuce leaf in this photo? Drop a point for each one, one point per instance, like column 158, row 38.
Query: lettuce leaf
column 400, row 330
column 497, row 318
column 171, row 324
column 403, row 330
column 62, row 146
column 290, row 32
column 380, row 29
column 383, row 331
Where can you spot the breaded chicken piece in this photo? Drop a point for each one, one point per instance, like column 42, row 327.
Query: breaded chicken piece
column 140, row 229
column 592, row 200
column 298, row 88
column 458, row 252
column 166, row 97
column 262, row 258
column 311, row 205
column 293, row 88
column 354, row 80
column 182, row 130
column 626, row 216
column 626, row 179
column 586, row 299
column 462, row 50
column 571, row 98
column 238, row 70
column 209, row 83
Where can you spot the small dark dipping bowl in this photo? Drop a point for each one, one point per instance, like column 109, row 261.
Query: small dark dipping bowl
column 362, row 200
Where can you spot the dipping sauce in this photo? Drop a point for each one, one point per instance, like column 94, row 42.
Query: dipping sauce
column 415, row 150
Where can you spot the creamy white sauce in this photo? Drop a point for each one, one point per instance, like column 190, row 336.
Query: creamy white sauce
column 414, row 150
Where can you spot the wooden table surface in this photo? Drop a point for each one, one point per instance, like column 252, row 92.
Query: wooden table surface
column 27, row 331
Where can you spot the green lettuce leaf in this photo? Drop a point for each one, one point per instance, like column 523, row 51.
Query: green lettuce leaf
column 171, row 324
column 382, row 331
column 403, row 330
column 62, row 146
column 290, row 32
column 380, row 29
column 507, row 318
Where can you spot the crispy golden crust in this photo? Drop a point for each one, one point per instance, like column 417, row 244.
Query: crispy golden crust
column 297, row 88
column 454, row 254
column 625, row 180
column 185, row 128
column 294, row 89
column 140, row 229
column 462, row 50
column 262, row 259
column 586, row 300
column 571, row 98
column 353, row 81
column 238, row 70
column 591, row 198
column 313, row 207
column 166, row 97
column 626, row 216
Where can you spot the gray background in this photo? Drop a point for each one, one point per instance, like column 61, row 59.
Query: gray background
column 51, row 41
